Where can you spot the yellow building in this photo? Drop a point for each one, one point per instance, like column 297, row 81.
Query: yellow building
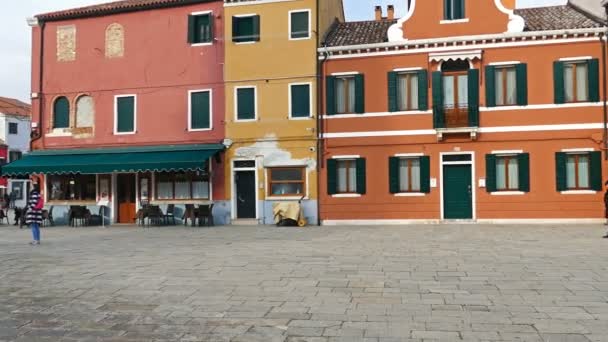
column 271, row 103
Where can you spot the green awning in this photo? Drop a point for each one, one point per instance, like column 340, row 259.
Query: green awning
column 108, row 160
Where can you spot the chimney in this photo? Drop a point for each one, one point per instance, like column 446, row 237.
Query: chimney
column 378, row 13
column 391, row 12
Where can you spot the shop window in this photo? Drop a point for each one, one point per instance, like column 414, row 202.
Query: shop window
column 287, row 181
column 182, row 185
column 71, row 187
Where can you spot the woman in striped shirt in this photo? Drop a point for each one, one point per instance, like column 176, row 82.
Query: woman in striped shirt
column 34, row 213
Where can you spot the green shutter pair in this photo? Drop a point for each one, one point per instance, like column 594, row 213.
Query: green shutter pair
column 593, row 86
column 200, row 110
column 425, row 174
column 523, row 165
column 125, row 114
column 332, row 176
column 61, row 113
column 195, row 25
column 393, row 91
column 595, row 169
column 521, row 84
column 473, row 98
column 246, row 29
column 330, row 94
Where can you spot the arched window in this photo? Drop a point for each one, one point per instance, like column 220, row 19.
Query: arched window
column 85, row 111
column 61, row 113
column 115, row 41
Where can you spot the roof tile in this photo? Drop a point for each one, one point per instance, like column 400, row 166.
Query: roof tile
column 14, row 107
column 359, row 33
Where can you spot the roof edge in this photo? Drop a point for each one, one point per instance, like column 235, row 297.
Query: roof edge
column 587, row 14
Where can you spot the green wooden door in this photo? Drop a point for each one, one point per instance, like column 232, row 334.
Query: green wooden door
column 457, row 195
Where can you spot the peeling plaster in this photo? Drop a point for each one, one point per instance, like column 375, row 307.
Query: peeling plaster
column 272, row 154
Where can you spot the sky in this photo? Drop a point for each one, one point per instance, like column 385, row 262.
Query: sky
column 15, row 44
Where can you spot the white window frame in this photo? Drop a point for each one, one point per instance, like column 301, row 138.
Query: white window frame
column 310, row 92
column 190, row 92
column 409, row 156
column 116, row 97
column 211, row 23
column 309, row 23
column 271, row 197
column 347, row 158
column 245, row 16
column 236, row 103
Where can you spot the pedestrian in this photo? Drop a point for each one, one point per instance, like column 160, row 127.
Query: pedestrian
column 11, row 199
column 34, row 213
column 7, row 200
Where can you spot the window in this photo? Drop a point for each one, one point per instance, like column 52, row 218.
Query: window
column 300, row 105
column 85, row 112
column 246, row 29
column 299, row 24
column 182, row 185
column 200, row 28
column 407, row 91
column 287, row 181
column 14, row 155
column 2, row 161
column 453, row 9
column 125, row 116
column 345, row 95
column 505, row 86
column 347, row 176
column 200, row 110
column 115, row 41
column 409, row 174
column 578, row 172
column 71, row 187
column 508, row 172
column 13, row 128
column 575, row 82
column 245, row 103
column 61, row 113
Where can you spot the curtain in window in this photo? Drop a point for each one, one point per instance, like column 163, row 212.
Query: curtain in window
column 340, row 100
column 463, row 89
column 200, row 189
column 571, row 172
column 415, row 175
column 403, row 88
column 511, row 86
column 513, row 174
column 182, row 186
column 499, row 85
column 448, row 91
column 404, row 179
column 414, row 91
column 569, row 83
column 165, row 188
column 581, row 82
column 342, row 186
column 352, row 177
column 583, row 172
column 501, row 177
column 351, row 95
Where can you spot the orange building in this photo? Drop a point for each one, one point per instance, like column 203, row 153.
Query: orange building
column 464, row 110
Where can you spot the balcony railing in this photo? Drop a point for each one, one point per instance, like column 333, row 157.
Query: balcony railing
column 456, row 115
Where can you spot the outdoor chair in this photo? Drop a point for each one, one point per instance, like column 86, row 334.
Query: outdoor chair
column 190, row 213
column 96, row 219
column 3, row 217
column 170, row 214
column 78, row 215
column 205, row 213
column 47, row 217
column 155, row 215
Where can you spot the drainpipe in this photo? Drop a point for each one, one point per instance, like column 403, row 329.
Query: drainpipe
column 319, row 108
column 605, row 133
column 37, row 136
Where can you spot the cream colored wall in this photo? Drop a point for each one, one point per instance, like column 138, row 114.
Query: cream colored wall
column 329, row 11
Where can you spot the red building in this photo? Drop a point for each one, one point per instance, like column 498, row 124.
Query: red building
column 128, row 105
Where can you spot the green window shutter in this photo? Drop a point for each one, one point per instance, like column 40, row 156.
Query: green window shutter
column 425, row 174
column 330, row 95
column 392, row 91
column 438, row 117
column 523, row 164
column 560, row 171
column 473, row 97
column 211, row 21
column 594, row 79
column 490, row 172
column 423, row 90
column 200, row 114
column 521, row 71
column 490, row 86
column 61, row 113
column 447, row 9
column 125, row 115
column 558, row 82
column 245, row 104
column 300, row 101
column 361, row 181
column 256, row 28
column 458, row 9
column 236, row 33
column 332, row 174
column 596, row 171
column 393, row 175
column 191, row 29
column 359, row 94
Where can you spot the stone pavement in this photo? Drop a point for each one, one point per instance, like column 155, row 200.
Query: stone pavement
column 414, row 283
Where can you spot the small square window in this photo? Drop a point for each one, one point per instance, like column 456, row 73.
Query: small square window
column 13, row 128
column 246, row 29
column 200, row 28
column 245, row 103
column 299, row 27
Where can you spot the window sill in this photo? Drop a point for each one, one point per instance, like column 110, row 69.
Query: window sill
column 346, row 195
column 246, row 120
column 201, row 44
column 59, row 132
column 182, row 202
column 66, row 203
column 246, row 43
column 454, row 21
column 579, row 192
column 410, row 194
column 286, row 198
column 301, row 38
column 124, row 133
column 199, row 129
column 507, row 193
column 300, row 118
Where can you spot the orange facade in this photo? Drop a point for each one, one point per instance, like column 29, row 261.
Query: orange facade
column 560, row 139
